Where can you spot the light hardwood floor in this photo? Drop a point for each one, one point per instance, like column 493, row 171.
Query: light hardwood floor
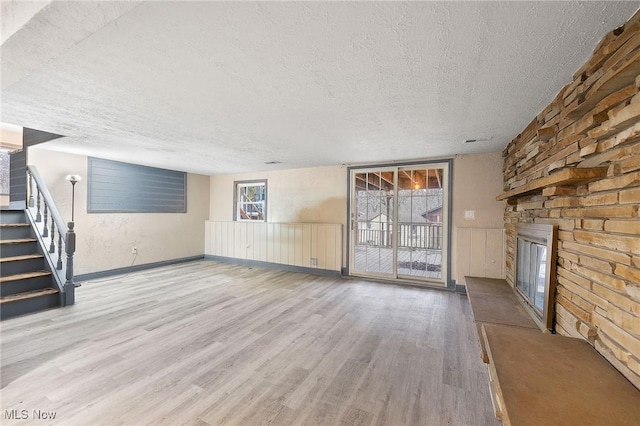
column 208, row 343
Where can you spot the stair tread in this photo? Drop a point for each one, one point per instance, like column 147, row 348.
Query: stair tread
column 14, row 225
column 24, row 276
column 18, row 241
column 27, row 295
column 22, row 257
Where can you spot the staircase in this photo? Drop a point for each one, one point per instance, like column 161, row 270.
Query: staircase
column 26, row 282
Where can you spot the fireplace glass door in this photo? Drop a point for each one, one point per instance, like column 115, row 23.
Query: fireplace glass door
column 531, row 271
column 535, row 270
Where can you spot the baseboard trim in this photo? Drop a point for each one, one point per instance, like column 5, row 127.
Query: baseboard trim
column 271, row 265
column 135, row 268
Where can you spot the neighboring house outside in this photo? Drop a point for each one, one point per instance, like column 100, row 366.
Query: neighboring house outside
column 434, row 215
column 419, row 219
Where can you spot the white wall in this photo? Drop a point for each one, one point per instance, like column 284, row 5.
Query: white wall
column 312, row 195
column 105, row 239
column 477, row 244
column 319, row 195
column 11, row 137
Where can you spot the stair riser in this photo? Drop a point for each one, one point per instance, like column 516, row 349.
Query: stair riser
column 15, row 233
column 12, row 217
column 22, row 307
column 30, row 284
column 22, row 266
column 19, row 249
column 27, row 303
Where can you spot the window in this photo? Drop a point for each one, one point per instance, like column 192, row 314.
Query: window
column 250, row 201
column 115, row 187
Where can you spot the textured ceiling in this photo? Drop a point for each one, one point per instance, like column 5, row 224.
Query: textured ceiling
column 211, row 87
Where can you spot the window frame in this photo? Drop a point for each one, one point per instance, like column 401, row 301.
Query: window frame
column 236, row 203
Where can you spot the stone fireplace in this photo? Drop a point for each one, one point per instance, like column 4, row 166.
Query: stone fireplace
column 576, row 166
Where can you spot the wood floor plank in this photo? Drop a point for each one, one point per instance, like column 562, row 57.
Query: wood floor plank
column 207, row 343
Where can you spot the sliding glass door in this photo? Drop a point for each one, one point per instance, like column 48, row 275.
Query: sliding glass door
column 398, row 226
column 372, row 212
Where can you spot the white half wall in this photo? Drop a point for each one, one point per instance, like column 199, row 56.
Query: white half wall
column 481, row 253
column 308, row 245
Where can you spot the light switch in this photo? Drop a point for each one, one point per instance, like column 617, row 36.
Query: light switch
column 470, row 214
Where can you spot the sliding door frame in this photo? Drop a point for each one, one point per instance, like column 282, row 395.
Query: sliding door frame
column 448, row 283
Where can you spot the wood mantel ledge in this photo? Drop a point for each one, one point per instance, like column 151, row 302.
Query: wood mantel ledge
column 565, row 177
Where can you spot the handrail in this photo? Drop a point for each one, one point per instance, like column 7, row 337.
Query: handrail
column 65, row 231
column 48, row 199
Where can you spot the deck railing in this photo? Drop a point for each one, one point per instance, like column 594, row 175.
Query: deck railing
column 423, row 236
column 58, row 238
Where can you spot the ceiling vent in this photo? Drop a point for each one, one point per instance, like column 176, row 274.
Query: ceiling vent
column 475, row 140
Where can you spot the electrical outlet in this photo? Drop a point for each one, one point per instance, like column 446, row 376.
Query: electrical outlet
column 134, row 250
column 314, row 261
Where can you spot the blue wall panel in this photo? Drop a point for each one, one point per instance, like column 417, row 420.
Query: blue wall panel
column 131, row 188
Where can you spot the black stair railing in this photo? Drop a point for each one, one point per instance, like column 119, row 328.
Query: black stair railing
column 54, row 233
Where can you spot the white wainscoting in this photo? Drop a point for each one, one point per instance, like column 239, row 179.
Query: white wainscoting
column 294, row 244
column 481, row 253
